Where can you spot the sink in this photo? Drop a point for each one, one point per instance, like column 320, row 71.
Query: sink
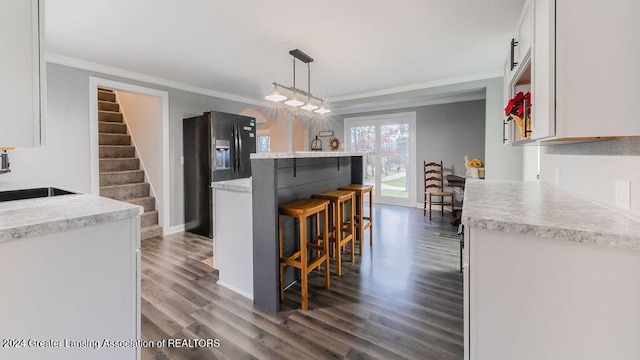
column 32, row 193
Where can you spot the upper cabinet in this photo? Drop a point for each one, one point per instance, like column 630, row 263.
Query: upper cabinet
column 520, row 44
column 543, row 70
column 22, row 79
column 518, row 73
column 584, row 69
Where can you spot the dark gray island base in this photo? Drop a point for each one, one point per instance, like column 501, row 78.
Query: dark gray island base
column 279, row 178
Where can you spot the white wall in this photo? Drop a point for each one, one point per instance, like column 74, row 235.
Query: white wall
column 591, row 169
column 143, row 114
column 65, row 160
column 502, row 162
column 444, row 132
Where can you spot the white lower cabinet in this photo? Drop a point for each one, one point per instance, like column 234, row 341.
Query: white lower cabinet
column 531, row 298
column 65, row 293
column 233, row 240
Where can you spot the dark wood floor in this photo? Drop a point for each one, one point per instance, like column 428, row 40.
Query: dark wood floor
column 402, row 299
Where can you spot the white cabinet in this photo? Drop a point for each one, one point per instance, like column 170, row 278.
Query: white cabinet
column 22, row 78
column 520, row 44
column 517, row 70
column 74, row 285
column 530, row 298
column 524, row 34
column 584, row 69
column 543, row 70
column 597, row 68
column 233, row 239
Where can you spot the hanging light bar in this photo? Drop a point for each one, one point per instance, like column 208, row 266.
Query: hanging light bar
column 309, row 106
column 294, row 100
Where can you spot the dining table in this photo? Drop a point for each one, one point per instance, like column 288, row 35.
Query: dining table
column 457, row 183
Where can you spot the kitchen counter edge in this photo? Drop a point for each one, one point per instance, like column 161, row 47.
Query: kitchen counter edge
column 538, row 209
column 237, row 185
column 306, row 154
column 28, row 218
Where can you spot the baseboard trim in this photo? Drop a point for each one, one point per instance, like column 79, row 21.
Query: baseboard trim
column 234, row 289
column 173, row 229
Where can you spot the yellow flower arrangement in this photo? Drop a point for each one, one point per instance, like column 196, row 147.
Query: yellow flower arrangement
column 476, row 163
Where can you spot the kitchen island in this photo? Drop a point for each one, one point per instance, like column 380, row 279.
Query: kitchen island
column 279, row 178
column 69, row 270
column 548, row 275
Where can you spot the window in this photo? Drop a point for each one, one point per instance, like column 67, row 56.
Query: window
column 263, row 144
column 391, row 166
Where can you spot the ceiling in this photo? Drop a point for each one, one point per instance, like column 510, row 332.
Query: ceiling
column 240, row 47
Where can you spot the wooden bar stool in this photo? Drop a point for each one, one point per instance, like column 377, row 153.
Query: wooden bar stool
column 342, row 230
column 361, row 190
column 303, row 209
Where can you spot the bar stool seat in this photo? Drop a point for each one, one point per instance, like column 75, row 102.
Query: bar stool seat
column 303, row 209
column 362, row 222
column 342, row 230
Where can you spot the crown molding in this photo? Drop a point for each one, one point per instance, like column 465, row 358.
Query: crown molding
column 103, row 69
column 407, row 104
column 420, row 86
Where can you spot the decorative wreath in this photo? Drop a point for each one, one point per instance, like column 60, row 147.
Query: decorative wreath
column 334, row 143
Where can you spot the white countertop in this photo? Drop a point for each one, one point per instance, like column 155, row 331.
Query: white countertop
column 238, row 185
column 306, row 154
column 32, row 217
column 538, row 209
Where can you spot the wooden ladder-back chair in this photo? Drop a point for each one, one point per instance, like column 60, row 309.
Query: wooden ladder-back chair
column 434, row 187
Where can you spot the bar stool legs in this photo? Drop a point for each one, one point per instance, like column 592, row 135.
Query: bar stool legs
column 345, row 231
column 362, row 222
column 302, row 209
column 342, row 230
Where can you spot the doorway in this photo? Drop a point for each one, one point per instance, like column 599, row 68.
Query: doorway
column 162, row 183
column 390, row 167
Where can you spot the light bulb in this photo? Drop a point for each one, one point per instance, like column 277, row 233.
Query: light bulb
column 322, row 110
column 309, row 106
column 275, row 96
column 294, row 101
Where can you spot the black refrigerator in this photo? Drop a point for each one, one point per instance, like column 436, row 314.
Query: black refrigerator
column 216, row 147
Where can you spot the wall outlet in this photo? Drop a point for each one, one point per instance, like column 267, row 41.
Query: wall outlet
column 556, row 176
column 181, row 160
column 623, row 194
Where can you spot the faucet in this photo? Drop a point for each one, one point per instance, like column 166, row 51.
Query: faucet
column 4, row 168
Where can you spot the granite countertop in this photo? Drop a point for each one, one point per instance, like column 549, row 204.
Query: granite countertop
column 538, row 209
column 32, row 217
column 239, row 185
column 306, row 154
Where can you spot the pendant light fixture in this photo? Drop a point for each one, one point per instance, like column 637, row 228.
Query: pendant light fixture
column 295, row 99
column 275, row 95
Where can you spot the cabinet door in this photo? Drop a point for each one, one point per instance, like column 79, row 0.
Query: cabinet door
column 543, row 70
column 597, row 68
column 506, row 139
column 524, row 33
column 22, row 75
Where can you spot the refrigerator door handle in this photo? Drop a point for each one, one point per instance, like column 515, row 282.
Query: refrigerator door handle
column 233, row 159
column 235, row 146
column 236, row 141
column 240, row 167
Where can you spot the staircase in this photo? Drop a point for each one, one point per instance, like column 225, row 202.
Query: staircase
column 120, row 174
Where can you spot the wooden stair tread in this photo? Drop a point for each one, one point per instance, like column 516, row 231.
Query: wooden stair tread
column 123, row 185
